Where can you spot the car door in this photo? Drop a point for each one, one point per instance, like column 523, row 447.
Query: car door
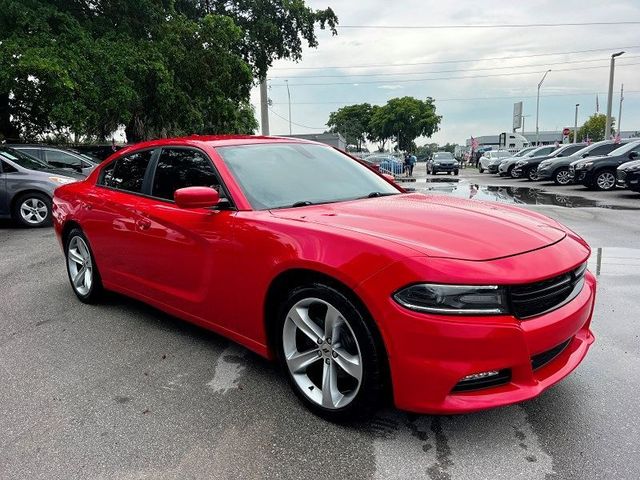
column 110, row 216
column 184, row 253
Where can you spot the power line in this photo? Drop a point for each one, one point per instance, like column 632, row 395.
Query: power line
column 488, row 25
column 437, row 100
column 393, row 65
column 453, row 71
column 297, row 124
column 424, row 79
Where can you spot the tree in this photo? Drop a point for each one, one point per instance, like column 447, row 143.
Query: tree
column 593, row 128
column 405, row 119
column 352, row 122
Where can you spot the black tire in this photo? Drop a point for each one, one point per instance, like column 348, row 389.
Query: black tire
column 455, row 172
column 480, row 169
column 531, row 175
column 560, row 178
column 370, row 392
column 598, row 180
column 96, row 290
column 29, row 199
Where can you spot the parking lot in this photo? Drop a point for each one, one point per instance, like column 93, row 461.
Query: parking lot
column 123, row 391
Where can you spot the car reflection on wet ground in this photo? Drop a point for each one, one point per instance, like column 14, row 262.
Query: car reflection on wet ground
column 507, row 194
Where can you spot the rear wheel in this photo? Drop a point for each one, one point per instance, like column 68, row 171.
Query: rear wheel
column 32, row 210
column 81, row 267
column 605, row 180
column 562, row 177
column 330, row 354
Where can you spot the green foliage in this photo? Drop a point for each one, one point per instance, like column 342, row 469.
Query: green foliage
column 404, row 119
column 352, row 122
column 86, row 67
column 593, row 128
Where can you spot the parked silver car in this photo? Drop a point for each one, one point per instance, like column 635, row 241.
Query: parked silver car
column 26, row 187
column 58, row 157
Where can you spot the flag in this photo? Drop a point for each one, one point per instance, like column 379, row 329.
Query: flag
column 597, row 104
column 617, row 138
column 474, row 143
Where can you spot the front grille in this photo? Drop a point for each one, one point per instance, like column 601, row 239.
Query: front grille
column 541, row 359
column 503, row 376
column 537, row 298
column 622, row 176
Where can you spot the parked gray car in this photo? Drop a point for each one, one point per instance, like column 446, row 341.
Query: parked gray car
column 26, row 187
column 58, row 157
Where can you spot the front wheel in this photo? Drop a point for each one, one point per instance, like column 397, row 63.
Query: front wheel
column 605, row 180
column 32, row 210
column 480, row 169
column 81, row 267
column 562, row 177
column 455, row 172
column 532, row 174
column 329, row 352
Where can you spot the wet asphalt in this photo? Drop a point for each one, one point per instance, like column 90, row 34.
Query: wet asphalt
column 123, row 391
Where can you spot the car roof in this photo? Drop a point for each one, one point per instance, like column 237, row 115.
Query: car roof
column 223, row 140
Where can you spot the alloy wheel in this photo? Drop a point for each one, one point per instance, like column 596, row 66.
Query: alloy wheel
column 322, row 353
column 532, row 175
column 33, row 211
column 80, row 265
column 563, row 177
column 606, row 181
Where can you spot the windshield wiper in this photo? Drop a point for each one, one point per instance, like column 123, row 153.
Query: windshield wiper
column 303, row 203
column 380, row 194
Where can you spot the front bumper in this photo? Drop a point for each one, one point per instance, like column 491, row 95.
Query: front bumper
column 630, row 179
column 430, row 354
column 544, row 173
column 493, row 168
column 445, row 168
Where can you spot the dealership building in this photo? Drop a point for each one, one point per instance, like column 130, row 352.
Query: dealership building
column 546, row 137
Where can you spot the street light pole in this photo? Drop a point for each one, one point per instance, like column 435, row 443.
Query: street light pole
column 607, row 127
column 289, row 96
column 575, row 125
column 538, row 107
column 620, row 110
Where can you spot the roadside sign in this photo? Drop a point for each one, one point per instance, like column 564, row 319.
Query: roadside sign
column 566, row 131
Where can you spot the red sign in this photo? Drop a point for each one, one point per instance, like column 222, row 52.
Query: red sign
column 566, row 131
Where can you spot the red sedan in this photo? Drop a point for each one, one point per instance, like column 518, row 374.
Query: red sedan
column 359, row 289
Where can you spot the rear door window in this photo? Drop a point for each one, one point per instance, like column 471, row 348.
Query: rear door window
column 603, row 149
column 60, row 159
column 128, row 172
column 182, row 167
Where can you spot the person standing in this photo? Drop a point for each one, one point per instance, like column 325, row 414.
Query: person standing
column 412, row 163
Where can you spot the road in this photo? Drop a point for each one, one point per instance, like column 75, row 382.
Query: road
column 123, row 391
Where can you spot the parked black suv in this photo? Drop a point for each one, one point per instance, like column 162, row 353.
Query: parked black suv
column 600, row 172
column 629, row 175
column 557, row 169
column 528, row 167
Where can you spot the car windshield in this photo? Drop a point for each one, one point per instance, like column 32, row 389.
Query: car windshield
column 23, row 159
column 442, row 156
column 627, row 147
column 286, row 175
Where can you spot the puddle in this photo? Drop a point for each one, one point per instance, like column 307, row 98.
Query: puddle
column 513, row 195
column 615, row 261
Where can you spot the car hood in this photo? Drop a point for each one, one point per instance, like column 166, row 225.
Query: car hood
column 438, row 226
column 629, row 165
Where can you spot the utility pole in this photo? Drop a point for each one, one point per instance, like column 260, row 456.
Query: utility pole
column 575, row 125
column 289, row 97
column 607, row 127
column 538, row 107
column 264, row 107
column 620, row 110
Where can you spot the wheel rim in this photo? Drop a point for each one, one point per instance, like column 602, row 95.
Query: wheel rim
column 562, row 177
column 606, row 181
column 322, row 353
column 80, row 265
column 33, row 211
column 532, row 175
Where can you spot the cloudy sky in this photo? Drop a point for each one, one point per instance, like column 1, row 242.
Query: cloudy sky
column 480, row 103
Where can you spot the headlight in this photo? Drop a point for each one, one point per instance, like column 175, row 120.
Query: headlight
column 520, row 163
column 582, row 166
column 545, row 163
column 436, row 163
column 454, row 299
column 62, row 180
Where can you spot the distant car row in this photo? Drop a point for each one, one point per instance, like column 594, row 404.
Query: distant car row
column 600, row 165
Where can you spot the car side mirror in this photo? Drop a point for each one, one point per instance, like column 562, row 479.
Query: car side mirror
column 633, row 155
column 196, row 197
column 584, row 155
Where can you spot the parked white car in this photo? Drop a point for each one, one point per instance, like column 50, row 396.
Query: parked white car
column 491, row 159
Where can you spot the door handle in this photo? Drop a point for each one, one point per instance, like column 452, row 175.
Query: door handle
column 143, row 224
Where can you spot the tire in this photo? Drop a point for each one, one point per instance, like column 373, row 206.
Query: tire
column 455, row 172
column 510, row 171
column 307, row 357
column 80, row 258
column 561, row 177
column 531, row 175
column 605, row 180
column 480, row 169
column 32, row 210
